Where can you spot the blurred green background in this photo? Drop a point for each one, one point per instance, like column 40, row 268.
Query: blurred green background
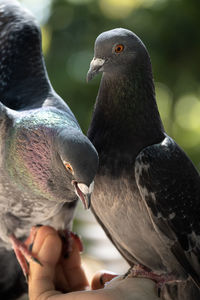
column 169, row 29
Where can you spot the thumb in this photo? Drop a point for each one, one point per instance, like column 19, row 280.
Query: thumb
column 100, row 278
column 47, row 248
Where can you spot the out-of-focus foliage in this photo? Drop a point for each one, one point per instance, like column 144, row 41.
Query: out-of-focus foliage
column 169, row 29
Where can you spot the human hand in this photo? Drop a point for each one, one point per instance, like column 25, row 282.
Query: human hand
column 58, row 273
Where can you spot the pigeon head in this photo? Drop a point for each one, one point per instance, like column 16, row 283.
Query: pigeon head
column 117, row 51
column 47, row 153
column 80, row 160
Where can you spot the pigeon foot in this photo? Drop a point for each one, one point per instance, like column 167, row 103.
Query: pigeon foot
column 141, row 271
column 159, row 279
column 23, row 252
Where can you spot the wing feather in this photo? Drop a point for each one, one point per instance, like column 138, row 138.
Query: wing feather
column 170, row 186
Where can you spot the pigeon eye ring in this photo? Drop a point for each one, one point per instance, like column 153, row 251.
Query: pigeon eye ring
column 119, row 48
column 68, row 167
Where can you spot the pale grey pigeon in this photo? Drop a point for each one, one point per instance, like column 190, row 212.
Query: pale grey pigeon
column 46, row 162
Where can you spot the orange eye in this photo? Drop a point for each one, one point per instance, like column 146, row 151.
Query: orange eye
column 68, row 167
column 119, row 48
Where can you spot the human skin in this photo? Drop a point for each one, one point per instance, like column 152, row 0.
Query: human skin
column 67, row 275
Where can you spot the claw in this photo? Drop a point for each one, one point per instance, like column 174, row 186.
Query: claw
column 23, row 252
column 77, row 239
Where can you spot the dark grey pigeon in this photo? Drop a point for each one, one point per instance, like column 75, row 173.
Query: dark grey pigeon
column 147, row 191
column 46, row 162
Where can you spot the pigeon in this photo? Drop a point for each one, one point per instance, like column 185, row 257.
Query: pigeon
column 147, row 190
column 46, row 162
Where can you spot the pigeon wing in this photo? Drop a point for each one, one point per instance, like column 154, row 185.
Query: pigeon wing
column 170, row 186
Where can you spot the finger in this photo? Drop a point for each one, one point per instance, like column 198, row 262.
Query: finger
column 30, row 240
column 60, row 281
column 100, row 278
column 47, row 248
column 73, row 271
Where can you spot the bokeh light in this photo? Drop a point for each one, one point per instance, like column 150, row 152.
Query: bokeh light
column 77, row 65
column 46, row 39
column 78, row 2
column 40, row 9
column 121, row 9
column 164, row 99
column 118, row 9
column 63, row 17
column 187, row 112
column 186, row 126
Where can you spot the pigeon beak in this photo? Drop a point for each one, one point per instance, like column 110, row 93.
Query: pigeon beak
column 83, row 192
column 95, row 67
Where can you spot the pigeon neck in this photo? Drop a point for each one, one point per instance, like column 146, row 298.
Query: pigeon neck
column 126, row 116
